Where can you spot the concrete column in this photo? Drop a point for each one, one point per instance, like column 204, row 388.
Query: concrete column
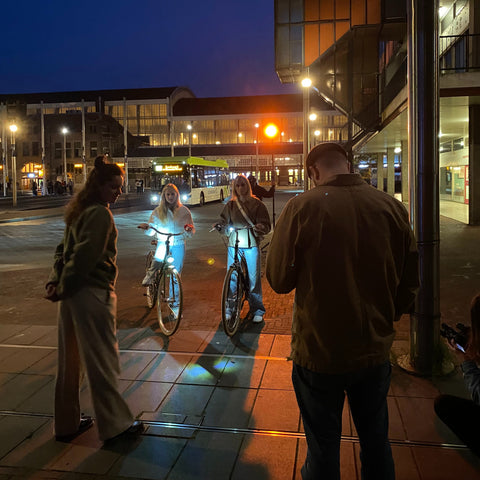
column 380, row 171
column 404, row 159
column 474, row 165
column 391, row 171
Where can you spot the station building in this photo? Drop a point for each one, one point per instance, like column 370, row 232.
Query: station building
column 59, row 134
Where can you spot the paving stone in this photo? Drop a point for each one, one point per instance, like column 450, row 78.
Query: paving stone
column 13, row 432
column 149, row 458
column 30, row 335
column 275, row 409
column 21, row 388
column 19, row 359
column 230, row 407
column 265, row 457
column 207, row 456
column 242, row 372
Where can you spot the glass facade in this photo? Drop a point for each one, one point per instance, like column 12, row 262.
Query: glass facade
column 56, row 109
column 148, row 120
column 454, row 154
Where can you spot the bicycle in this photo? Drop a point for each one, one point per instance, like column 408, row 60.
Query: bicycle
column 236, row 287
column 166, row 289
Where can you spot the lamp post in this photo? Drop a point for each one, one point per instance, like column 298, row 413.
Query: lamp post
column 257, row 166
column 13, row 129
column 189, row 128
column 306, row 84
column 4, row 159
column 65, row 131
column 271, row 131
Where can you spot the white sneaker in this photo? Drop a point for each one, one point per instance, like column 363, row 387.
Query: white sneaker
column 257, row 319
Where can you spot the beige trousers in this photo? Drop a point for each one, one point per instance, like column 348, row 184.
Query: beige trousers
column 87, row 335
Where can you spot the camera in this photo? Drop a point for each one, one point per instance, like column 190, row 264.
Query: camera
column 460, row 336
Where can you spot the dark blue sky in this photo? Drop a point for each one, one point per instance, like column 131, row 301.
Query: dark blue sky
column 216, row 48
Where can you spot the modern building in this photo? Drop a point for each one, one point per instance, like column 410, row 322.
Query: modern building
column 355, row 54
column 160, row 122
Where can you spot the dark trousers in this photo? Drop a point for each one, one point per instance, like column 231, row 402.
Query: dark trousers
column 462, row 416
column 321, row 397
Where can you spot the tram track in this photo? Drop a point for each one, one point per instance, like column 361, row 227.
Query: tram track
column 178, row 428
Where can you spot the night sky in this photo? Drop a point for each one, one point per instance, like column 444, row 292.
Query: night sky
column 216, row 48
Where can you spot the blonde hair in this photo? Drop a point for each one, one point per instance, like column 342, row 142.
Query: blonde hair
column 164, row 206
column 234, row 185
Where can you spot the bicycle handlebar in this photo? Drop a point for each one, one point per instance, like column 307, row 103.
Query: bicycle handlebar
column 218, row 227
column 165, row 233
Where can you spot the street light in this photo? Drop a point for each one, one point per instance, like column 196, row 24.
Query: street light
column 13, row 129
column 271, row 131
column 189, row 128
column 306, row 84
column 65, row 131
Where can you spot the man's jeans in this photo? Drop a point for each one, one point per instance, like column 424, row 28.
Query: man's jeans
column 252, row 258
column 321, row 398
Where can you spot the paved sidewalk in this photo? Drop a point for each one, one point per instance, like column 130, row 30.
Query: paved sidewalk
column 218, row 408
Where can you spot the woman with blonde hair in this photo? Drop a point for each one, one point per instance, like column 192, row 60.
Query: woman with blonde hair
column 169, row 217
column 246, row 210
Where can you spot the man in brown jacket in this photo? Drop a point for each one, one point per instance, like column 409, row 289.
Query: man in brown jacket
column 349, row 251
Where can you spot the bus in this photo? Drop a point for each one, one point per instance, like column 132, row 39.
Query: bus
column 198, row 180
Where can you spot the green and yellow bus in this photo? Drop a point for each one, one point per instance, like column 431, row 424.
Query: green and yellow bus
column 198, row 180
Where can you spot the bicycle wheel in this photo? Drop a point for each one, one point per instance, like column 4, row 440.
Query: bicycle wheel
column 169, row 301
column 151, row 290
column 233, row 296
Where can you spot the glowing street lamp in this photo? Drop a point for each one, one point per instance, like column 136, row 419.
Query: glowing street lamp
column 65, row 131
column 13, row 129
column 189, row 128
column 306, row 82
column 271, row 131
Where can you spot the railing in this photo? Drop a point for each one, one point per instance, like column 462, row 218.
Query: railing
column 459, row 53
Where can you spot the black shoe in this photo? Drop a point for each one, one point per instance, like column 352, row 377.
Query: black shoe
column 133, row 431
column 85, row 423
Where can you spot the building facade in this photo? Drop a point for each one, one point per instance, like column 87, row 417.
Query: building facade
column 159, row 122
column 356, row 56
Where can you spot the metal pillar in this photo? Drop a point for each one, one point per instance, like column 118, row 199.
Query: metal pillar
column 125, row 143
column 404, row 163
column 13, row 129
column 42, row 141
column 423, row 105
column 65, row 157
column 473, row 165
column 380, row 175
column 391, row 171
column 4, row 150
column 84, row 145
column 306, row 132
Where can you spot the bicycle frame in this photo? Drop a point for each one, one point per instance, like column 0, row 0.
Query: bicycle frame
column 166, row 290
column 235, row 289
